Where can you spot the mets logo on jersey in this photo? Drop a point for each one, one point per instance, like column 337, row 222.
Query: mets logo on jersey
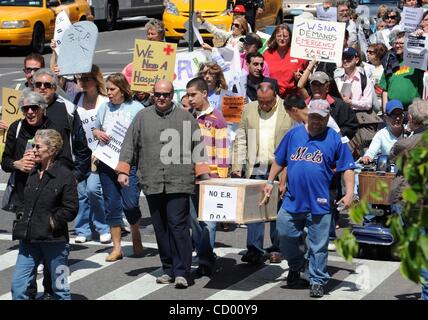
column 302, row 154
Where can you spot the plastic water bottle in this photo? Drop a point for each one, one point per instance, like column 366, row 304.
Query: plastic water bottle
column 29, row 145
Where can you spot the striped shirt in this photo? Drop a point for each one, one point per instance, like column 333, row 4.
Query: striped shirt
column 214, row 130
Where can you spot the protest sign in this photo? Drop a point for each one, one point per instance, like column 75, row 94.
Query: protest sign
column 62, row 23
column 265, row 37
column 416, row 52
column 195, row 26
column 77, row 48
column 186, row 68
column 88, row 118
column 411, row 18
column 320, row 40
column 232, row 108
column 329, row 14
column 153, row 61
column 10, row 109
column 109, row 153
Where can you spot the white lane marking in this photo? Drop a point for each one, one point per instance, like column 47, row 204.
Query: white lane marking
column 103, row 50
column 8, row 259
column 146, row 284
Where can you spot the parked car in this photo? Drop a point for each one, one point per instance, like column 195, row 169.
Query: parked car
column 177, row 13
column 31, row 23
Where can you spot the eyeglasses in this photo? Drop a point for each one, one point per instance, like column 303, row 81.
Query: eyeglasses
column 29, row 70
column 33, row 107
column 396, row 115
column 371, row 51
column 399, row 43
column 236, row 25
column 162, row 94
column 45, row 85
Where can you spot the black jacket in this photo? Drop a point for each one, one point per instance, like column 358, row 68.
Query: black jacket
column 345, row 117
column 54, row 197
column 15, row 149
column 71, row 123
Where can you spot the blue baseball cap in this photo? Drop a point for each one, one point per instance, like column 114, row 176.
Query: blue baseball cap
column 392, row 105
column 350, row 52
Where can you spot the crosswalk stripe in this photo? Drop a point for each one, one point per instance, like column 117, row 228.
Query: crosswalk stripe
column 81, row 269
column 367, row 277
column 8, row 259
column 146, row 284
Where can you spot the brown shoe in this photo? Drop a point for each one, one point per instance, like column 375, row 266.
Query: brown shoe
column 114, row 256
column 275, row 257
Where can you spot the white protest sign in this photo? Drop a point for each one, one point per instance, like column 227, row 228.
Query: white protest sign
column 329, row 14
column 320, row 40
column 88, row 118
column 186, row 68
column 425, row 93
column 385, row 37
column 62, row 23
column 219, row 203
column 416, row 52
column 109, row 153
column 195, row 25
column 77, row 48
column 411, row 18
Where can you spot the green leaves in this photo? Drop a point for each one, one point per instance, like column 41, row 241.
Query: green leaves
column 347, row 246
column 358, row 212
column 410, row 195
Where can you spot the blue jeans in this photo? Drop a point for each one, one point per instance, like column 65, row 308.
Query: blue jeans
column 256, row 231
column 424, row 294
column 118, row 199
column 54, row 255
column 91, row 208
column 203, row 235
column 292, row 243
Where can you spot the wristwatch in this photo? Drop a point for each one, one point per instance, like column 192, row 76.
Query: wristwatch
column 270, row 182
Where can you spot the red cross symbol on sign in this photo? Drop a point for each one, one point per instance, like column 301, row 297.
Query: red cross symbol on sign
column 168, row 49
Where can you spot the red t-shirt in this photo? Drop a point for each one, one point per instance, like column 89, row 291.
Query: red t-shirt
column 283, row 69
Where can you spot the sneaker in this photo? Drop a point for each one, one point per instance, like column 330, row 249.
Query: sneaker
column 293, row 278
column 181, row 283
column 40, row 268
column 105, row 238
column 331, row 246
column 164, row 279
column 80, row 239
column 204, row 270
column 125, row 227
column 316, row 290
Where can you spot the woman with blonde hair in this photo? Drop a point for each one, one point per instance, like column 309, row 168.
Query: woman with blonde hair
column 118, row 199
column 91, row 216
column 231, row 38
column 213, row 74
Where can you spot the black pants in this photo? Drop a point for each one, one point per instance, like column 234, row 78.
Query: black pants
column 170, row 218
column 250, row 15
column 47, row 284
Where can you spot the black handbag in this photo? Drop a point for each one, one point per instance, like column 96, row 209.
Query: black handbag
column 7, row 204
column 19, row 229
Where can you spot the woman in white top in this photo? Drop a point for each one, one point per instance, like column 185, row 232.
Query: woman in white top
column 231, row 38
column 91, row 216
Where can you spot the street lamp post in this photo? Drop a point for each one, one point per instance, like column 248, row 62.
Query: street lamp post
column 191, row 32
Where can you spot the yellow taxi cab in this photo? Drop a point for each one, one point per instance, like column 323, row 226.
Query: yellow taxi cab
column 215, row 11
column 31, row 23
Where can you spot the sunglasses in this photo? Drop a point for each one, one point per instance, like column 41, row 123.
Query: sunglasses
column 390, row 17
column 347, row 58
column 162, row 94
column 371, row 52
column 33, row 107
column 236, row 25
column 37, row 146
column 46, row 85
column 29, row 70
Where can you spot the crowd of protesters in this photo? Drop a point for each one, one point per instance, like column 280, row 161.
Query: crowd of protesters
column 307, row 121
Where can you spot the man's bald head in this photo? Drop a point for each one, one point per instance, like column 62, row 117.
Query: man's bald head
column 163, row 86
column 163, row 92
